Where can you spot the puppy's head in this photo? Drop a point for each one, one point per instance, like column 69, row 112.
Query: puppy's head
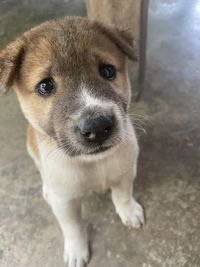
column 72, row 83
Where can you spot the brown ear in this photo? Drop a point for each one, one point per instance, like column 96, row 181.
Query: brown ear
column 10, row 59
column 122, row 38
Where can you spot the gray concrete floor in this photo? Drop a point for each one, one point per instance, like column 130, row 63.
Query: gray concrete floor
column 168, row 181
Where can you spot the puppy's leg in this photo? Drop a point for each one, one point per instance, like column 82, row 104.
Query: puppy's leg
column 45, row 192
column 76, row 252
column 129, row 210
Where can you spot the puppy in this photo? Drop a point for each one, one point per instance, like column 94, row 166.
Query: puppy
column 72, row 83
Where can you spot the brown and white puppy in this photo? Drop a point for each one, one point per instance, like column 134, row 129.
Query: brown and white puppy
column 71, row 80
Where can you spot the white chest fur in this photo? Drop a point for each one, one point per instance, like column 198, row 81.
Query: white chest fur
column 69, row 178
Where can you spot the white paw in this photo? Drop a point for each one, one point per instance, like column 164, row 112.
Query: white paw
column 131, row 214
column 76, row 255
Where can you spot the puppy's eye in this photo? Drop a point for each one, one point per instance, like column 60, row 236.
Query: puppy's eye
column 107, row 71
column 46, row 87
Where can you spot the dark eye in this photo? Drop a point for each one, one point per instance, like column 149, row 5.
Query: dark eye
column 46, row 87
column 107, row 71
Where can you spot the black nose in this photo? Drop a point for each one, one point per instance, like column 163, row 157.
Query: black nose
column 96, row 129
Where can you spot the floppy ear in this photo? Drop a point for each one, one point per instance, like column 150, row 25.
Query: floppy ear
column 10, row 59
column 122, row 38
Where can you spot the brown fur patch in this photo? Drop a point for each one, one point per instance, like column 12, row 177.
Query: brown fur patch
column 32, row 143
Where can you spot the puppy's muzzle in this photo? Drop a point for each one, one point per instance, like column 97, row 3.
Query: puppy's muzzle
column 96, row 129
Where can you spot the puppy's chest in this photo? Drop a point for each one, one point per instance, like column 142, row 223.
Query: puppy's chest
column 71, row 178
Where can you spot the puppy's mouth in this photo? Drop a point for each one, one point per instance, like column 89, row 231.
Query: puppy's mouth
column 98, row 150
column 74, row 150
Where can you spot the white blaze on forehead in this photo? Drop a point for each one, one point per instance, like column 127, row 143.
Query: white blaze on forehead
column 90, row 100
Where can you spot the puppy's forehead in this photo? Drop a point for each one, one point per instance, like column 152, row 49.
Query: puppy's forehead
column 70, row 42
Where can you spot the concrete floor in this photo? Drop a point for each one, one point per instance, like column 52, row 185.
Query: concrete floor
column 168, row 181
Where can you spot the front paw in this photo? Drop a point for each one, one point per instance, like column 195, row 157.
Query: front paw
column 76, row 254
column 131, row 214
